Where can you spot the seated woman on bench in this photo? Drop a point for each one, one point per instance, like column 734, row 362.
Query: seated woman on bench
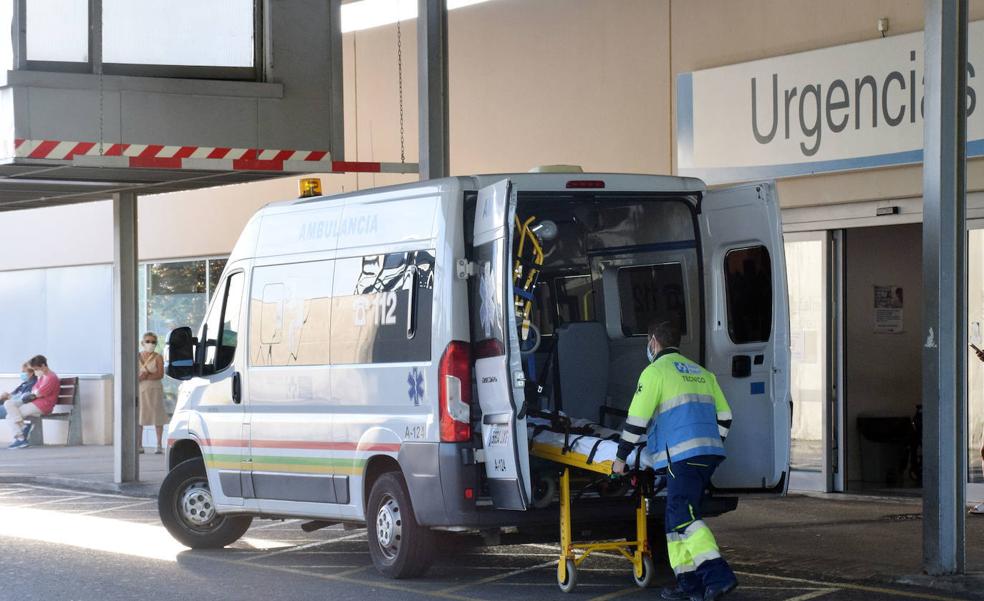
column 28, row 380
column 40, row 401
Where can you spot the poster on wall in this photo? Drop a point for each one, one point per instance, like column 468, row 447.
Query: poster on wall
column 888, row 309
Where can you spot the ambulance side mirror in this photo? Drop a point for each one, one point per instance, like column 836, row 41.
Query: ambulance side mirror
column 180, row 354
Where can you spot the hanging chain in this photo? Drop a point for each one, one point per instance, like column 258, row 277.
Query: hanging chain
column 399, row 79
column 101, row 143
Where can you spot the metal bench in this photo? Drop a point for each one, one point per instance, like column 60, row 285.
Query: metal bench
column 67, row 409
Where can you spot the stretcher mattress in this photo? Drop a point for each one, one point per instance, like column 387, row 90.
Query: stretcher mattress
column 598, row 445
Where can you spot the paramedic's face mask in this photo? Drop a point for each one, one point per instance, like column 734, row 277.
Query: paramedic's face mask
column 651, row 349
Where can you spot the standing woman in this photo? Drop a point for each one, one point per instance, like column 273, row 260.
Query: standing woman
column 150, row 373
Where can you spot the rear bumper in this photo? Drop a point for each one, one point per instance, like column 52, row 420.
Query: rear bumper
column 438, row 475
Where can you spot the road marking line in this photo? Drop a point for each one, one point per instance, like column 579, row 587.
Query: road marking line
column 813, row 594
column 301, row 547
column 854, row 587
column 58, row 500
column 113, row 508
column 616, row 594
column 492, row 579
column 274, row 523
column 69, row 490
column 343, row 577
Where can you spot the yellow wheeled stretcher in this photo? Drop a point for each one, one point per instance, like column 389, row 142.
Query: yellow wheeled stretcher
column 636, row 551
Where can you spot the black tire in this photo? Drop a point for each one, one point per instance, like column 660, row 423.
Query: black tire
column 398, row 545
column 177, row 501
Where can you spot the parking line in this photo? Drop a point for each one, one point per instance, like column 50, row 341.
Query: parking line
column 492, row 579
column 616, row 594
column 274, row 523
column 854, row 587
column 113, row 508
column 59, row 500
column 344, row 577
column 301, row 547
column 813, row 594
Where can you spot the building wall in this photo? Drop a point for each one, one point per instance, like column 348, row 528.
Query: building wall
column 551, row 81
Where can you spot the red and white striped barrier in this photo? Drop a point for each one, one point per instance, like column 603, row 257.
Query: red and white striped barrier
column 207, row 158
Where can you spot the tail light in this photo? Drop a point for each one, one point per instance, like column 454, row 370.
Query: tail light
column 454, row 391
column 585, row 183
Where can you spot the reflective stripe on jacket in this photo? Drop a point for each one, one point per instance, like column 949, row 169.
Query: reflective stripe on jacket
column 682, row 404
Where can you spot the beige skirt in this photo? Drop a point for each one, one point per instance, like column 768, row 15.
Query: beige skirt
column 152, row 403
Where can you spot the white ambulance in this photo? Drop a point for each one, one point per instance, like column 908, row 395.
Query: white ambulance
column 372, row 358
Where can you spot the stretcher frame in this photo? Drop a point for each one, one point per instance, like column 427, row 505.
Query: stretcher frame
column 636, row 551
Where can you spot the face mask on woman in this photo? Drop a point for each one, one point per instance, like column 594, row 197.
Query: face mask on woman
column 24, row 376
column 149, row 347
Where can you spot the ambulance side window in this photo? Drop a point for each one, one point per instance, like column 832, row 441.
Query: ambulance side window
column 290, row 310
column 382, row 308
column 748, row 284
column 223, row 325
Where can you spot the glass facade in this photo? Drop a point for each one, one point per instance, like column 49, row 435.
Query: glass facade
column 174, row 294
column 178, row 32
column 806, row 277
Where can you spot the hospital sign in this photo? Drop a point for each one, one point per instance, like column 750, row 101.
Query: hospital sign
column 847, row 107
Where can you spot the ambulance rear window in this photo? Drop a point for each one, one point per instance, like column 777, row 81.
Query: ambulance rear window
column 748, row 282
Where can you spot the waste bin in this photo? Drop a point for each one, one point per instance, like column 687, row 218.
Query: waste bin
column 884, row 448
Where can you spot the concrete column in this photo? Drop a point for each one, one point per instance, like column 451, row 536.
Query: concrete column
column 125, row 465
column 945, row 284
column 432, row 85
column 336, row 112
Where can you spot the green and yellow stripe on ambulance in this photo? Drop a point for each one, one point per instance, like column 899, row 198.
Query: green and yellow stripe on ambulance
column 295, row 457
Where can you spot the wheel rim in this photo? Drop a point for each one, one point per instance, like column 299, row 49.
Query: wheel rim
column 389, row 527
column 196, row 506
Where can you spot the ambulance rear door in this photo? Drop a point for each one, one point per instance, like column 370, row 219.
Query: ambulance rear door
column 498, row 371
column 747, row 341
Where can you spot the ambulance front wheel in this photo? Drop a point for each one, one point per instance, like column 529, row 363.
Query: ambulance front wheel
column 644, row 579
column 569, row 583
column 187, row 509
column 398, row 545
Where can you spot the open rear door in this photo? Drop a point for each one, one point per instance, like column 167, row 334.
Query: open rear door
column 498, row 370
column 748, row 339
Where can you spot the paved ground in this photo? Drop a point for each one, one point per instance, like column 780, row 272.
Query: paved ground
column 65, row 544
column 85, row 467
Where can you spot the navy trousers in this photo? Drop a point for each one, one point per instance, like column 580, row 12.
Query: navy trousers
column 693, row 551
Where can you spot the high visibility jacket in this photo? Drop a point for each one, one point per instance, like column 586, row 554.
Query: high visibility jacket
column 681, row 410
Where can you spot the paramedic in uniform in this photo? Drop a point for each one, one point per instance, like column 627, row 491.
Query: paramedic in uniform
column 682, row 408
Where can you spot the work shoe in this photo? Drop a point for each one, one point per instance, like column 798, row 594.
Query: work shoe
column 20, row 443
column 713, row 594
column 26, row 431
column 676, row 593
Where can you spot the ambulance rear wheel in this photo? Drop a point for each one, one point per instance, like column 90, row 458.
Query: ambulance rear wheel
column 569, row 583
column 187, row 509
column 644, row 579
column 398, row 545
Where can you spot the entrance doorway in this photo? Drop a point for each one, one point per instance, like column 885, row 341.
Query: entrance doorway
column 883, row 348
column 975, row 368
column 814, row 279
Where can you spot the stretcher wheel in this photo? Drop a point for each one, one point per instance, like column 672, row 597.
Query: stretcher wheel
column 648, row 572
column 568, row 584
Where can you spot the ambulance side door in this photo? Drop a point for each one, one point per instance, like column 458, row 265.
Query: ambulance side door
column 747, row 342
column 495, row 348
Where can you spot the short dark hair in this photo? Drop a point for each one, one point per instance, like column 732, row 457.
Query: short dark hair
column 38, row 361
column 666, row 333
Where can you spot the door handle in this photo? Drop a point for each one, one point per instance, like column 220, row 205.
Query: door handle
column 237, row 388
